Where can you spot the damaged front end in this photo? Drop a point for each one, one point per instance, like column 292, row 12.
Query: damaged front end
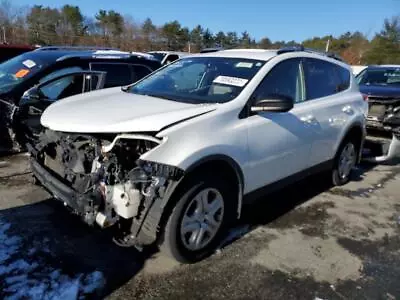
column 383, row 113
column 103, row 180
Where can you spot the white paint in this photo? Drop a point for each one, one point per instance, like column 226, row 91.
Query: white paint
column 128, row 112
column 244, row 64
column 235, row 81
column 29, row 63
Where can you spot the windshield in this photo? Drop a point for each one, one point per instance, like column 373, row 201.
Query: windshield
column 17, row 70
column 158, row 56
column 200, row 79
column 380, row 76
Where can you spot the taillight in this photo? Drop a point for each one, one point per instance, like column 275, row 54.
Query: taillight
column 365, row 97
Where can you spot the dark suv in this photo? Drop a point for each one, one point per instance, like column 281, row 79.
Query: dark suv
column 32, row 81
column 381, row 86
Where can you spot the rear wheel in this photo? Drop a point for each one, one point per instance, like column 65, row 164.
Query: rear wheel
column 199, row 219
column 344, row 163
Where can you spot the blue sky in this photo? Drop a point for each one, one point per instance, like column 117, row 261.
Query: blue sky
column 278, row 19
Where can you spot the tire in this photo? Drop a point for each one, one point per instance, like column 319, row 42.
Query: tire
column 177, row 244
column 341, row 174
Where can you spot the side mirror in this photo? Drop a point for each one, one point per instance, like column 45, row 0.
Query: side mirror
column 31, row 95
column 278, row 104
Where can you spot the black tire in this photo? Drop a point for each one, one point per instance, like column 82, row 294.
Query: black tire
column 338, row 180
column 171, row 241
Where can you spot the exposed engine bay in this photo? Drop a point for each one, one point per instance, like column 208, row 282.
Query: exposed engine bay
column 105, row 180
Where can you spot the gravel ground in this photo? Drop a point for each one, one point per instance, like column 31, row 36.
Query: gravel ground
column 306, row 242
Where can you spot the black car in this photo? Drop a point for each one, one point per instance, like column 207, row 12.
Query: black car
column 380, row 85
column 32, row 81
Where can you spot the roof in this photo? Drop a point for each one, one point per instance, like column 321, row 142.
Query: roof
column 65, row 53
column 259, row 54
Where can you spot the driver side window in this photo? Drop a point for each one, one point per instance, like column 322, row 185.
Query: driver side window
column 188, row 78
column 64, row 87
column 283, row 80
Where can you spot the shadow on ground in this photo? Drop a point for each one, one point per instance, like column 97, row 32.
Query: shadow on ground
column 45, row 252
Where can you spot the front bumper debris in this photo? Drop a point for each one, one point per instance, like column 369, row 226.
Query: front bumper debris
column 106, row 185
column 382, row 151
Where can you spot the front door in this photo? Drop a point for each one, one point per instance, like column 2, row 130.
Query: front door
column 279, row 143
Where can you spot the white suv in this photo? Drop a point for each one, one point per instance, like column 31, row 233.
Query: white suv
column 172, row 158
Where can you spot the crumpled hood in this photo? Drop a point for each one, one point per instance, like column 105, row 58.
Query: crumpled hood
column 114, row 111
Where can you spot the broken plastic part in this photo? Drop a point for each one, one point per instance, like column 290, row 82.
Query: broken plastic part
column 109, row 147
column 394, row 150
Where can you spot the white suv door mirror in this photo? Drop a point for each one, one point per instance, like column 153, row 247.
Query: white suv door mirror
column 275, row 104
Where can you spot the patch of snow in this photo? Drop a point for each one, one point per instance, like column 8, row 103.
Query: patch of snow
column 24, row 277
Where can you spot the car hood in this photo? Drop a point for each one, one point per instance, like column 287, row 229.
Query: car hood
column 381, row 90
column 115, row 111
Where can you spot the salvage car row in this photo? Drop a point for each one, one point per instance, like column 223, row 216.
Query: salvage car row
column 171, row 158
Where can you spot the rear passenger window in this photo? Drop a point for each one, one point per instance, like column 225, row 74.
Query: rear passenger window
column 324, row 78
column 117, row 74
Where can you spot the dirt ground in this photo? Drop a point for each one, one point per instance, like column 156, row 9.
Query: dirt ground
column 306, row 242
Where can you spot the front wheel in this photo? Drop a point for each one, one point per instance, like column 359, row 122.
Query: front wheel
column 199, row 219
column 344, row 163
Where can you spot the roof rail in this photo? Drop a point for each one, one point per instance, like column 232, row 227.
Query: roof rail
column 75, row 48
column 208, row 50
column 301, row 48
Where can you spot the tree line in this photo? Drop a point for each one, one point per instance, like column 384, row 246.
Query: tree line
column 40, row 25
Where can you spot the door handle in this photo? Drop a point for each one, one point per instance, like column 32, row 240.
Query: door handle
column 310, row 119
column 347, row 109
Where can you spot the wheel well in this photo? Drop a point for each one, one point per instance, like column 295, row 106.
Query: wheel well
column 219, row 166
column 355, row 134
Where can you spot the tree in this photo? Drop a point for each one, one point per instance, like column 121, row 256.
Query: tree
column 149, row 32
column 111, row 24
column 43, row 23
column 231, row 40
column 265, row 43
column 170, row 32
column 196, row 38
column 71, row 25
column 208, row 39
column 220, row 39
column 385, row 46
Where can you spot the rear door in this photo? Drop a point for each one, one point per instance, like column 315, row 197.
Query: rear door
column 331, row 106
column 38, row 98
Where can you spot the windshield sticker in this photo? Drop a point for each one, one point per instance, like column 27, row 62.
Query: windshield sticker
column 244, row 64
column 22, row 73
column 235, row 81
column 29, row 63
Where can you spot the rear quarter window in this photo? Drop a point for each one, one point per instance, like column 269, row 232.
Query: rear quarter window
column 117, row 74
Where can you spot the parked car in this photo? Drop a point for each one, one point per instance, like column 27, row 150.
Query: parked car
column 10, row 51
column 33, row 80
column 380, row 85
column 178, row 153
column 167, row 57
column 358, row 69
